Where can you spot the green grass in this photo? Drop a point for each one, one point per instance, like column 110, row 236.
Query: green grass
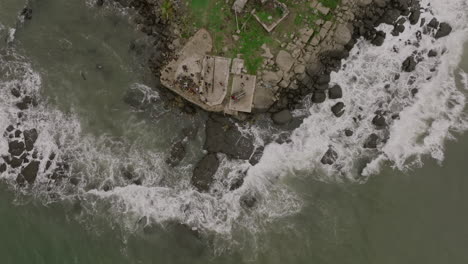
column 249, row 45
column 330, row 3
column 218, row 18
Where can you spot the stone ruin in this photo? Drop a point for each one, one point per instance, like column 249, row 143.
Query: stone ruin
column 239, row 6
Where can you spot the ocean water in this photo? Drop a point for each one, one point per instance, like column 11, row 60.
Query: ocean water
column 404, row 202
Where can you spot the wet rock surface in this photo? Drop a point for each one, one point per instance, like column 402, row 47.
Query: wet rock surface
column 204, row 172
column 223, row 136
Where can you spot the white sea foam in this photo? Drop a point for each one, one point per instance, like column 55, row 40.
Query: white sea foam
column 425, row 120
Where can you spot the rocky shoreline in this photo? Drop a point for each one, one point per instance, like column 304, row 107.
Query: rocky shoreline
column 310, row 76
column 355, row 19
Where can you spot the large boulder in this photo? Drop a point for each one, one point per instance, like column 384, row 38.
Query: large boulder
column 30, row 137
column 204, row 172
column 282, row 117
column 335, row 92
column 342, row 34
column 16, row 148
column 222, row 135
column 444, row 30
column 29, row 173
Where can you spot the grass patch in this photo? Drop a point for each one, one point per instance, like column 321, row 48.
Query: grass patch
column 330, row 3
column 249, row 45
column 219, row 19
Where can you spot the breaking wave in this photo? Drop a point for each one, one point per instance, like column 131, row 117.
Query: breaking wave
column 426, row 106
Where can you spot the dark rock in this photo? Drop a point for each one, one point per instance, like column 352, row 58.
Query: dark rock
column 223, row 136
column 27, row 13
column 128, row 173
column 338, row 109
column 414, row 17
column 391, row 16
column 16, row 92
column 398, row 29
column 371, row 141
column 433, row 23
column 409, row 64
column 329, row 157
column 74, row 180
column 237, row 183
column 348, row 132
column 282, row 117
column 99, row 2
column 25, row 103
column 204, row 172
column 319, row 97
column 29, row 172
column 414, row 91
column 177, row 154
column 16, row 148
column 190, row 132
column 335, row 92
column 444, row 30
column 189, row 109
column 17, row 133
column 134, row 97
column 248, row 200
column 378, row 40
column 432, row 53
column 30, row 137
column 256, row 156
column 15, row 162
column 323, row 79
column 379, row 121
column 3, row 168
column 10, row 128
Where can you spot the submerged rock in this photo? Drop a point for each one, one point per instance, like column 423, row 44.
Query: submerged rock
column 177, row 154
column 248, row 200
column 204, row 172
column 409, row 64
column 134, row 97
column 329, row 157
column 3, row 167
column 371, row 141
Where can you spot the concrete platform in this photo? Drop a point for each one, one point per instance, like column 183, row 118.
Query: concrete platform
column 216, row 95
column 247, row 83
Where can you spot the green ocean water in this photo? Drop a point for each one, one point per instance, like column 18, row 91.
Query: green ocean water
column 414, row 217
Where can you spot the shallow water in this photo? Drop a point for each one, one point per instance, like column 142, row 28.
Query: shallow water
column 82, row 58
